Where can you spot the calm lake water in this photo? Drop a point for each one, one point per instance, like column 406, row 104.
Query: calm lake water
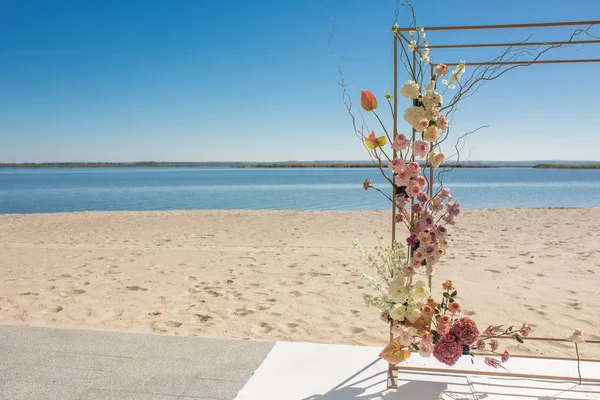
column 85, row 189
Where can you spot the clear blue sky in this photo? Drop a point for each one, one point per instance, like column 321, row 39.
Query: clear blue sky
column 199, row 80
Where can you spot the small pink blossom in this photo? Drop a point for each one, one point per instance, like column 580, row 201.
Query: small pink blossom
column 402, row 177
column 426, row 222
column 427, row 337
column 413, row 189
column 442, row 122
column 413, row 169
column 419, row 255
column 525, row 330
column 454, row 308
column 505, row 356
column 384, row 316
column 480, row 345
column 443, row 325
column 432, row 302
column 441, row 231
column 447, row 285
column 429, row 270
column 415, row 263
column 417, row 208
column 494, row 344
column 445, row 194
column 408, row 271
column 433, row 259
column 400, row 143
column 441, row 70
column 420, row 148
column 397, row 327
column 492, row 362
column 366, row 184
column 436, row 204
column 396, row 164
column 401, row 200
column 411, row 241
column 425, row 349
column 453, row 208
column 400, row 217
column 422, row 197
column 428, row 311
column 421, row 181
column 449, row 219
column 492, row 330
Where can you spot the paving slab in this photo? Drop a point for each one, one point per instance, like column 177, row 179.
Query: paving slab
column 68, row 364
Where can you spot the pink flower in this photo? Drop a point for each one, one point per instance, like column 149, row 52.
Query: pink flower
column 422, row 197
column 366, row 184
column 413, row 168
column 422, row 125
column 400, row 143
column 396, row 164
column 417, row 208
column 397, row 327
column 447, row 285
column 433, row 259
column 505, row 356
column 426, row 337
column 453, row 208
column 384, row 316
column 449, row 219
column 454, row 308
column 525, row 330
column 480, row 345
column 441, row 70
column 492, row 330
column 448, row 350
column 420, row 148
column 400, row 217
column 442, row 122
column 413, row 189
column 401, row 200
column 408, row 271
column 465, row 329
column 445, row 194
column 428, row 311
column 443, row 325
column 411, row 241
column 426, row 222
column 436, row 204
column 429, row 270
column 402, row 178
column 421, row 181
column 494, row 344
column 492, row 362
column 432, row 302
column 431, row 134
column 425, row 349
column 441, row 231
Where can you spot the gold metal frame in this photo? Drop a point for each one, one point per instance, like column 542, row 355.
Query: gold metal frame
column 393, row 370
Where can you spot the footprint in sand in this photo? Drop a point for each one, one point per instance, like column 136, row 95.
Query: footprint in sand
column 137, row 288
column 295, row 293
column 56, row 309
column 174, row 324
column 29, row 294
column 77, row 291
column 202, row 318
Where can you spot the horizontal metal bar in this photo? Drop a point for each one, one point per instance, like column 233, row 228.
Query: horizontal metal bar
column 494, row 373
column 489, row 354
column 505, row 26
column 593, row 60
column 544, row 339
column 469, row 46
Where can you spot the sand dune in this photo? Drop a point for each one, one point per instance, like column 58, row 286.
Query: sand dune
column 286, row 275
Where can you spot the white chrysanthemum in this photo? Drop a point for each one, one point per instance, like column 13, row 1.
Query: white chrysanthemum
column 410, row 90
column 413, row 314
column 414, row 114
column 398, row 312
column 420, row 292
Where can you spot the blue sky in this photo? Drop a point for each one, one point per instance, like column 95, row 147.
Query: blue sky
column 201, row 80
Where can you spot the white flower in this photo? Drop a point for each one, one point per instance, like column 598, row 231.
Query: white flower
column 457, row 73
column 431, row 86
column 420, row 291
column 444, row 82
column 414, row 114
column 398, row 312
column 413, row 314
column 407, row 336
column 410, row 90
column 432, row 99
column 577, row 336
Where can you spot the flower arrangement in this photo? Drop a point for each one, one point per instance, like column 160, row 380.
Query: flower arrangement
column 419, row 323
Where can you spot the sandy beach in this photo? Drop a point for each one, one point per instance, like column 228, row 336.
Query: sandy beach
column 286, row 275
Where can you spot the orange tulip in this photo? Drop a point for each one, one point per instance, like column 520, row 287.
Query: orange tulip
column 394, row 352
column 368, row 100
column 372, row 142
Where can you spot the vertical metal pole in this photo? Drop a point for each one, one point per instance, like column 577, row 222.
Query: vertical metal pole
column 430, row 172
column 394, row 134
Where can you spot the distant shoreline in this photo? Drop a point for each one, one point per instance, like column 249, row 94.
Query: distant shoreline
column 340, row 164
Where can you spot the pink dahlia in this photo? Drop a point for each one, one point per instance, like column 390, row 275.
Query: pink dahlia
column 465, row 329
column 366, row 184
column 448, row 350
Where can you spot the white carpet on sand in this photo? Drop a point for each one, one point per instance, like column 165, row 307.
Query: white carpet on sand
column 307, row 371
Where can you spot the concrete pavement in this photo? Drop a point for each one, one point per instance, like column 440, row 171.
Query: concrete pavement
column 66, row 364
